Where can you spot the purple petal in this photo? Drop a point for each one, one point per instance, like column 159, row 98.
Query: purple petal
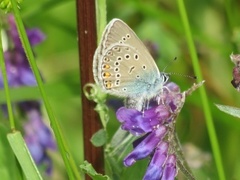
column 48, row 163
column 26, row 76
column 236, row 78
column 27, row 106
column 45, row 138
column 18, row 70
column 13, row 33
column 38, row 136
column 35, row 148
column 155, row 168
column 170, row 170
column 162, row 112
column 173, row 87
column 123, row 114
column 43, row 133
column 146, row 147
column 1, row 80
column 35, row 36
column 171, row 97
column 138, row 123
column 130, row 120
column 139, row 140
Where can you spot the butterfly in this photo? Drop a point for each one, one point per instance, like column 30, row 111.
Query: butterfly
column 122, row 66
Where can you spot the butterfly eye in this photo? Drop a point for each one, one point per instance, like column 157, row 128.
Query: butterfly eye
column 165, row 77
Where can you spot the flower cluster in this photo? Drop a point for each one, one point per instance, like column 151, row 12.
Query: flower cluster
column 156, row 127
column 18, row 69
column 37, row 135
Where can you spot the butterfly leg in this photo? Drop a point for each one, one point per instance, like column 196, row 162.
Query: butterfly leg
column 135, row 103
column 160, row 98
column 146, row 104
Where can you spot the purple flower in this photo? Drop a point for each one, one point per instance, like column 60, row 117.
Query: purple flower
column 155, row 168
column 156, row 124
column 38, row 136
column 35, row 35
column 146, row 147
column 170, row 170
column 137, row 124
column 18, row 69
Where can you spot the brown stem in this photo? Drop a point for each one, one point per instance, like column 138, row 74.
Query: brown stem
column 86, row 22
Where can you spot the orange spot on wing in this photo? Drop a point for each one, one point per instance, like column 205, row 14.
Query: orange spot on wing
column 106, row 66
column 108, row 85
column 106, row 75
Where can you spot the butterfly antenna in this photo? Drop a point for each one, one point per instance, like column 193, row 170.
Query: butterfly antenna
column 169, row 64
column 183, row 75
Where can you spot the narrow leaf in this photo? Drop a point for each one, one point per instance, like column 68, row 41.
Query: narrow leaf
column 20, row 150
column 234, row 111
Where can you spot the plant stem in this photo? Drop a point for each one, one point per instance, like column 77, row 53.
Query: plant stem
column 207, row 111
column 5, row 82
column 67, row 157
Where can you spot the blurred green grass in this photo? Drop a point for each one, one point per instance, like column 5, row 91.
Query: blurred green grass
column 216, row 34
column 215, row 40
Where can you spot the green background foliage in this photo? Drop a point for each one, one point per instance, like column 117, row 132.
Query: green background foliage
column 215, row 27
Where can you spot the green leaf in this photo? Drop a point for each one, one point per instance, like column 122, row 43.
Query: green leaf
column 87, row 168
column 22, row 153
column 234, row 111
column 8, row 163
column 99, row 138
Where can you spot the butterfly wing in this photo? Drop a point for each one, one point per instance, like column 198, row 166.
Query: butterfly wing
column 124, row 72
column 122, row 65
